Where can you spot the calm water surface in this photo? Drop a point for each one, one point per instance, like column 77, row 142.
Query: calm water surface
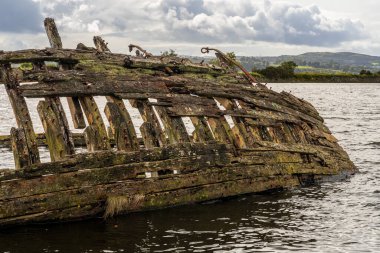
column 334, row 217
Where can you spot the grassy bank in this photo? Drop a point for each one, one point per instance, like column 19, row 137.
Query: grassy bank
column 322, row 78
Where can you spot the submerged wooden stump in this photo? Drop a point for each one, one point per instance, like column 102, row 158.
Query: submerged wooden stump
column 244, row 137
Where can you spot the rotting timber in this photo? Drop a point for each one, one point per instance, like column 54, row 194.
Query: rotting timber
column 246, row 138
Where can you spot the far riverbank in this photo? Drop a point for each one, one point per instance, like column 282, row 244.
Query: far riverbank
column 321, row 78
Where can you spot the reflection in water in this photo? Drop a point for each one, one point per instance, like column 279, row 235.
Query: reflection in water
column 334, row 217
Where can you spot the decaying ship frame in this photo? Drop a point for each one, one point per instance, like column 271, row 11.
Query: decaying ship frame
column 247, row 138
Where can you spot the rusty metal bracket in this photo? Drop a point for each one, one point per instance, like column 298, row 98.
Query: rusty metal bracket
column 227, row 60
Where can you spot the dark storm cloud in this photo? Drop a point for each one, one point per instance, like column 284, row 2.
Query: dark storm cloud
column 20, row 16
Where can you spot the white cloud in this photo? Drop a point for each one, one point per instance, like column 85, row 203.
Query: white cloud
column 205, row 20
column 243, row 23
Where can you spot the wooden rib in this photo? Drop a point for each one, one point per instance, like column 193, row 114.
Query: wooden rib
column 21, row 113
column 122, row 127
column 92, row 140
column 202, row 132
column 19, row 148
column 174, row 127
column 76, row 112
column 243, row 139
column 221, row 130
column 126, row 117
column 60, row 128
column 59, row 146
column 52, row 33
column 152, row 132
column 75, row 109
column 95, row 120
column 121, row 123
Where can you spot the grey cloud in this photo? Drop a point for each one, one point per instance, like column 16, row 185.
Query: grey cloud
column 206, row 21
column 22, row 16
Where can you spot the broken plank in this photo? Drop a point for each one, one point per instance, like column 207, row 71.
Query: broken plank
column 21, row 112
column 96, row 122
column 122, row 127
column 59, row 145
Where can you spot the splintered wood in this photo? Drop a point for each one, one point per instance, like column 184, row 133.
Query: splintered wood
column 244, row 138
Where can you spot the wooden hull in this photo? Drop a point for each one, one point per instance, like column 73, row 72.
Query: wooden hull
column 109, row 183
column 244, row 138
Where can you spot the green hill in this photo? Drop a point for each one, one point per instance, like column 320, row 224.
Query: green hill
column 342, row 61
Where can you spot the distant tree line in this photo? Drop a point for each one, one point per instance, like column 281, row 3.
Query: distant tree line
column 284, row 70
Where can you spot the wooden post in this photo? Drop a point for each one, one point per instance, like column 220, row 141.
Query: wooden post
column 21, row 112
column 93, row 142
column 59, row 145
column 221, row 130
column 148, row 135
column 174, row 127
column 95, row 120
column 100, row 44
column 19, row 148
column 55, row 42
column 117, row 114
column 151, row 130
column 122, row 128
column 202, row 132
column 52, row 33
column 242, row 138
column 124, row 114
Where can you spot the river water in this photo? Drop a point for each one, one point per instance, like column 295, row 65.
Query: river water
column 334, row 217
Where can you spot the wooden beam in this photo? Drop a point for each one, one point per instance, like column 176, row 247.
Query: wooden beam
column 59, row 145
column 52, row 33
column 21, row 112
column 202, row 132
column 101, row 45
column 122, row 127
column 19, row 148
column 151, row 131
column 174, row 127
column 75, row 110
column 96, row 122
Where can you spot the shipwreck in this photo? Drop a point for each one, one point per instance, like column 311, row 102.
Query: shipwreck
column 246, row 138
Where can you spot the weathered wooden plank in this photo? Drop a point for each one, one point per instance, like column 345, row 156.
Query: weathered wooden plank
column 112, row 158
column 59, row 145
column 105, row 175
column 54, row 102
column 55, row 42
column 72, row 83
column 242, row 137
column 95, row 120
column 76, row 112
column 221, row 130
column 122, row 127
column 148, row 134
column 52, row 33
column 178, row 65
column 202, row 131
column 100, row 44
column 19, row 148
column 152, row 131
column 205, row 187
column 78, row 138
column 127, row 118
column 174, row 127
column 21, row 112
column 92, row 140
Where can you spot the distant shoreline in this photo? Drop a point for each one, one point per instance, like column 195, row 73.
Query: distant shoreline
column 322, row 78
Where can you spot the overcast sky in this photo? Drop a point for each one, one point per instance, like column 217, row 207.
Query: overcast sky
column 247, row 27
